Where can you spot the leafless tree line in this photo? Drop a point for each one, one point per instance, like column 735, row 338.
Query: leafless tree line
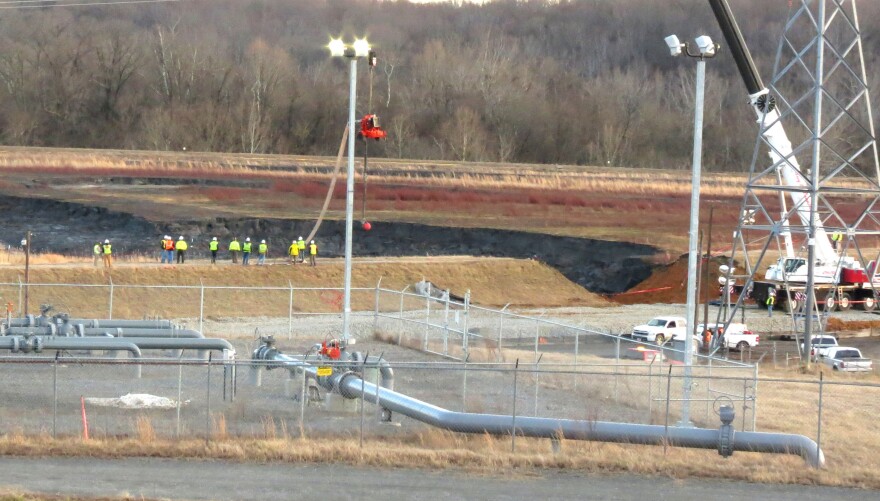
column 578, row 82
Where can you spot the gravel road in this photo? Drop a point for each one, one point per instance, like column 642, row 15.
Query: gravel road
column 221, row 480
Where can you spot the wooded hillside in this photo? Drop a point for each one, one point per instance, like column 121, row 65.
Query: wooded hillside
column 581, row 82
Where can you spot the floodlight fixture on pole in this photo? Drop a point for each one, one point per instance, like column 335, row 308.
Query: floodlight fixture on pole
column 360, row 48
column 706, row 48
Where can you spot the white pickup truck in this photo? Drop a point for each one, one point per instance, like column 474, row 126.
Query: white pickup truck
column 737, row 336
column 821, row 344
column 660, row 330
column 844, row 358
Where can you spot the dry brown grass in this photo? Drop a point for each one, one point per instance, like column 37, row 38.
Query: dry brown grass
column 492, row 282
column 474, row 453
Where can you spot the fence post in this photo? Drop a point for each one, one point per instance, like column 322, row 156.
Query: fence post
column 537, row 376
column 427, row 316
column 464, row 384
column 55, row 396
column 745, row 397
column 201, row 306
column 538, row 333
column 466, row 332
column 290, row 310
column 616, row 367
column 375, row 306
column 110, row 313
column 446, row 325
column 208, row 403
column 513, row 415
column 651, row 390
column 819, row 424
column 302, row 405
column 755, row 399
column 20, row 289
column 179, row 391
column 501, row 327
column 666, row 422
column 363, row 397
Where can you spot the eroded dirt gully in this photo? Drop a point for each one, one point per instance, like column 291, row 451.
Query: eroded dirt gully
column 67, row 228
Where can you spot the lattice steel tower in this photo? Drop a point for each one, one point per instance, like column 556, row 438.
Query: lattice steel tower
column 809, row 220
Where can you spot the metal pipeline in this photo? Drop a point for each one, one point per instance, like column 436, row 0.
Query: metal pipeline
column 37, row 344
column 349, row 385
column 205, row 344
column 79, row 330
column 32, row 321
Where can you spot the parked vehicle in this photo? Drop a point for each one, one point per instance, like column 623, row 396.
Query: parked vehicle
column 660, row 330
column 846, row 359
column 737, row 336
column 820, row 344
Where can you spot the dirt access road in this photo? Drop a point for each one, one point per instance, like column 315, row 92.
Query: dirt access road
column 221, row 480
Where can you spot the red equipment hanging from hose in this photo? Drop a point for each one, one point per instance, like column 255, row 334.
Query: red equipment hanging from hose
column 370, row 129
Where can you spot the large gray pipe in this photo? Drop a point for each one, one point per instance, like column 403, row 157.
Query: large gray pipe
column 31, row 321
column 75, row 330
column 38, row 344
column 221, row 345
column 349, row 385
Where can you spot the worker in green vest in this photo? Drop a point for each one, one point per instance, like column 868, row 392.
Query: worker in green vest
column 213, row 245
column 108, row 251
column 771, row 300
column 313, row 251
column 234, row 249
column 302, row 249
column 262, row 249
column 97, row 250
column 181, row 247
column 836, row 238
column 246, row 251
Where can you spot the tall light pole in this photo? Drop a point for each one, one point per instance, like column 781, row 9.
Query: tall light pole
column 706, row 49
column 360, row 48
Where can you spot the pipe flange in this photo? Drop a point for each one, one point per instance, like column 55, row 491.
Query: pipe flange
column 337, row 383
column 725, row 440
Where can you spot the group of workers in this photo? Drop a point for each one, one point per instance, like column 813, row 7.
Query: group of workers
column 296, row 252
column 103, row 252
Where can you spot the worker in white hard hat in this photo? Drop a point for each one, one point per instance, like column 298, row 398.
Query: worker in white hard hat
column 262, row 250
column 107, row 254
column 214, row 246
column 168, row 250
column 181, row 250
column 313, row 251
column 302, row 249
column 293, row 252
column 246, row 252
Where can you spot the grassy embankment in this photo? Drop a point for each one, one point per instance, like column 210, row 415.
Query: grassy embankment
column 492, row 281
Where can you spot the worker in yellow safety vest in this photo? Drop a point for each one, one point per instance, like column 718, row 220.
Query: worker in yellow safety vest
column 771, row 300
column 262, row 249
column 293, row 252
column 836, row 238
column 214, row 245
column 246, row 252
column 302, row 249
column 234, row 249
column 313, row 251
column 97, row 250
column 181, row 250
column 108, row 251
